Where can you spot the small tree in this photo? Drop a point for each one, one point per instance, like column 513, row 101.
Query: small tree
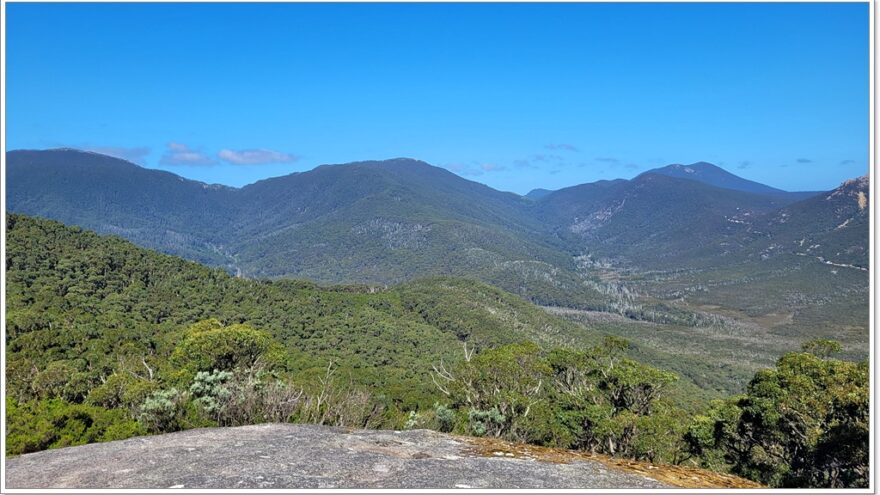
column 208, row 346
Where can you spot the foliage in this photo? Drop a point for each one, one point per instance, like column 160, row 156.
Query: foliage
column 445, row 418
column 163, row 411
column 55, row 423
column 210, row 391
column 804, row 423
column 597, row 400
column 208, row 345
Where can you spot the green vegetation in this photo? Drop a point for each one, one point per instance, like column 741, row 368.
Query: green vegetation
column 803, row 424
column 106, row 341
column 729, row 277
column 596, row 400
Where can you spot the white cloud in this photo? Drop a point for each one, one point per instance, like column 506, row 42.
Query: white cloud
column 255, row 157
column 181, row 154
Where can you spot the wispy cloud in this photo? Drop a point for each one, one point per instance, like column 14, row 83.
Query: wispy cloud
column 562, row 146
column 255, row 157
column 804, row 160
column 544, row 157
column 523, row 164
column 631, row 166
column 744, row 165
column 181, row 154
column 539, row 160
column 136, row 155
column 847, row 162
column 613, row 161
column 474, row 169
column 491, row 167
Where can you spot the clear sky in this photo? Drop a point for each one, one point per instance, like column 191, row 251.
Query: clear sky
column 516, row 96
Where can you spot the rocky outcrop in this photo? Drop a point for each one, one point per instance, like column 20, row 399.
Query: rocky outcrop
column 308, row 456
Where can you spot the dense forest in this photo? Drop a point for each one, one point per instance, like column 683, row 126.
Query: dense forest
column 106, row 340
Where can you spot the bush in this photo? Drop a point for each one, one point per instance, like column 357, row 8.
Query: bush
column 163, row 411
column 209, row 391
column 482, row 423
column 208, row 345
column 250, row 398
column 122, row 391
column 445, row 418
column 596, row 400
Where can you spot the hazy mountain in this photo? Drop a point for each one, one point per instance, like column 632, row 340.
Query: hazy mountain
column 653, row 219
column 154, row 208
column 713, row 175
column 538, row 193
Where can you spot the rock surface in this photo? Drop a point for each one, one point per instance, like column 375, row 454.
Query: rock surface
column 304, row 456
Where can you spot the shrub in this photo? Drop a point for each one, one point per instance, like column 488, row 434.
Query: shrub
column 210, row 392
column 163, row 411
column 445, row 418
column 208, row 346
column 482, row 423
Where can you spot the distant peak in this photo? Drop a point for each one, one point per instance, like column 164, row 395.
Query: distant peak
column 703, row 165
column 713, row 175
column 691, row 168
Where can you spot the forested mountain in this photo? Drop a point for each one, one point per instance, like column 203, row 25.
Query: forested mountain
column 831, row 226
column 92, row 304
column 375, row 222
column 655, row 248
column 653, row 220
column 153, row 208
column 385, row 222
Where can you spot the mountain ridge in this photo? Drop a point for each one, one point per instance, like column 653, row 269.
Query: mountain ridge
column 385, row 222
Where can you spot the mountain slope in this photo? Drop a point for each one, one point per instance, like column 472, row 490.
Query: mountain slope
column 538, row 193
column 376, row 222
column 92, row 304
column 653, row 219
column 89, row 306
column 832, row 226
column 153, row 208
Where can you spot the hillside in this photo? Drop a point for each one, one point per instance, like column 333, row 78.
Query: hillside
column 385, row 222
column 89, row 303
column 153, row 208
column 375, row 222
column 653, row 220
column 831, row 227
column 106, row 293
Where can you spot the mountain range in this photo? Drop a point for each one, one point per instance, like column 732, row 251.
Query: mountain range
column 386, row 222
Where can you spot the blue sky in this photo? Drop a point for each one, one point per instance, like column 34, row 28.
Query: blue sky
column 516, row 96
